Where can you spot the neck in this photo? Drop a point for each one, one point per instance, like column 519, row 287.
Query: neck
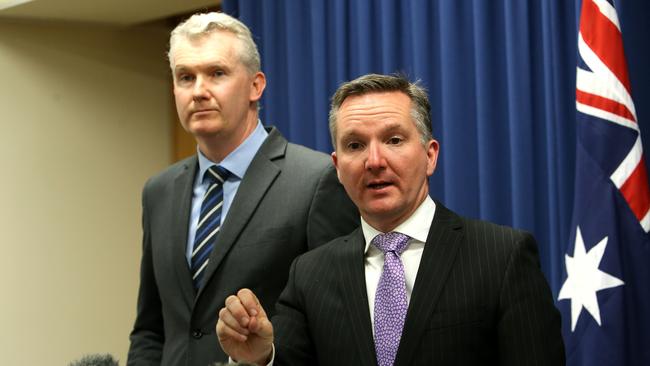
column 388, row 223
column 217, row 147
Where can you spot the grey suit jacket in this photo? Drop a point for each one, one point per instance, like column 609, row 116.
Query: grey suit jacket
column 288, row 202
column 479, row 299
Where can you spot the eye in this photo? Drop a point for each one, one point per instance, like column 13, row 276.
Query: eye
column 184, row 78
column 218, row 73
column 353, row 145
column 395, row 140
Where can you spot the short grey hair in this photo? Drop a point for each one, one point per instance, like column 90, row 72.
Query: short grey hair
column 199, row 25
column 376, row 83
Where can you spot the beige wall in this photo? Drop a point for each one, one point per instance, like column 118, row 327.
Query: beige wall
column 84, row 120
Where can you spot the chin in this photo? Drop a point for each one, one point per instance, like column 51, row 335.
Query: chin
column 382, row 205
column 381, row 213
column 204, row 129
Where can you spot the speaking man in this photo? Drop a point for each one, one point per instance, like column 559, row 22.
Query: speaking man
column 416, row 284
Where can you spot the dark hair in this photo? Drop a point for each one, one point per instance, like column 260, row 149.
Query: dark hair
column 376, row 83
column 95, row 360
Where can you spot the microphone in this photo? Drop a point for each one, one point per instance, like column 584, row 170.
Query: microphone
column 95, row 360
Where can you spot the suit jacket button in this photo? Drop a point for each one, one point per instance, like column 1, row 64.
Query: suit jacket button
column 196, row 333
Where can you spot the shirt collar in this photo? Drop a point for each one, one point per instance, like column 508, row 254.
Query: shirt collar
column 417, row 226
column 238, row 160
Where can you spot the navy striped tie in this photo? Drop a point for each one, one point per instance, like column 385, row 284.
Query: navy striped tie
column 209, row 222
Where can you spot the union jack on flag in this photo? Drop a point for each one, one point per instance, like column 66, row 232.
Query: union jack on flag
column 605, row 298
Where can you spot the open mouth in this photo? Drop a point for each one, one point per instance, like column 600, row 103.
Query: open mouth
column 378, row 185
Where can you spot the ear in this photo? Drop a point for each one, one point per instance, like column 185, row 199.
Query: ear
column 335, row 161
column 432, row 149
column 257, row 86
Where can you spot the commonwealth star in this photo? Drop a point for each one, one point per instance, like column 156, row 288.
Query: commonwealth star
column 585, row 279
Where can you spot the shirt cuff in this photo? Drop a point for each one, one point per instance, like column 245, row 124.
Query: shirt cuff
column 230, row 360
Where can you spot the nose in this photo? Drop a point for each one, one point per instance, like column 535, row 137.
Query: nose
column 200, row 90
column 375, row 159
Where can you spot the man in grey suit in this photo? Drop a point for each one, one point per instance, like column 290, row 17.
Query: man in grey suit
column 234, row 215
column 416, row 284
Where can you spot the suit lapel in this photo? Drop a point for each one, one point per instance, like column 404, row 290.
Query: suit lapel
column 260, row 175
column 438, row 258
column 352, row 281
column 181, row 205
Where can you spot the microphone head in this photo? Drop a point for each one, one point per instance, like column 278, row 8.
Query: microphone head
column 95, row 360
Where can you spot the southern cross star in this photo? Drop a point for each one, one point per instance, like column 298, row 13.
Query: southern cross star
column 585, row 279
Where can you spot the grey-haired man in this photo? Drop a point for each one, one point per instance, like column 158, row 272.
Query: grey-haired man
column 266, row 200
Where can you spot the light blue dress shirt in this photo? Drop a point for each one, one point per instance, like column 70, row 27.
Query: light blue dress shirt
column 237, row 163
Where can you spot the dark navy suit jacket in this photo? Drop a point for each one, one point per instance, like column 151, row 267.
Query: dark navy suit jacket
column 479, row 298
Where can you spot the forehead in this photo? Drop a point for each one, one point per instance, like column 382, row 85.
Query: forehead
column 215, row 47
column 375, row 110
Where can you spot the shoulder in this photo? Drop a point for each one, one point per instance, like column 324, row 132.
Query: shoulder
column 484, row 239
column 299, row 163
column 167, row 176
column 490, row 231
column 293, row 156
column 306, row 156
column 307, row 165
column 332, row 251
column 498, row 244
column 475, row 230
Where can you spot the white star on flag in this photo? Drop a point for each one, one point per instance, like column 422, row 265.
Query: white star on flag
column 585, row 279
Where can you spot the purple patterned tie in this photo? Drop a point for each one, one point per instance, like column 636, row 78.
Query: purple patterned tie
column 390, row 300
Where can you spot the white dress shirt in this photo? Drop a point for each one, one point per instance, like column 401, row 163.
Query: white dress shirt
column 417, row 227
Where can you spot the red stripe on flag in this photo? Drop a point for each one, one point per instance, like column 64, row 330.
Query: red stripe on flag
column 602, row 36
column 605, row 104
column 635, row 190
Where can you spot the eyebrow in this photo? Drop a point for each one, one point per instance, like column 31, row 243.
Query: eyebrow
column 394, row 126
column 205, row 66
column 178, row 69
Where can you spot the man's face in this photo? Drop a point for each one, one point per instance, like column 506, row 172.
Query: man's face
column 380, row 159
column 214, row 91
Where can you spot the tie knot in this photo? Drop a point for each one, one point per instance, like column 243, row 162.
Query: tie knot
column 216, row 174
column 391, row 242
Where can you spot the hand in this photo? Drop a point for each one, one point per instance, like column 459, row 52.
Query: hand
column 244, row 331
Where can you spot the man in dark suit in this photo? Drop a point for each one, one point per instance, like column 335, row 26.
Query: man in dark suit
column 416, row 284
column 234, row 215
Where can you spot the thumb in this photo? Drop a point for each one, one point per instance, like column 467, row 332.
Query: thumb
column 262, row 326
column 260, row 323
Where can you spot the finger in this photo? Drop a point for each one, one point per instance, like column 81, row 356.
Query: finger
column 226, row 317
column 258, row 322
column 226, row 333
column 249, row 301
column 235, row 307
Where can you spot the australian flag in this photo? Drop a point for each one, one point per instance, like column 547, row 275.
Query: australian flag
column 605, row 297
